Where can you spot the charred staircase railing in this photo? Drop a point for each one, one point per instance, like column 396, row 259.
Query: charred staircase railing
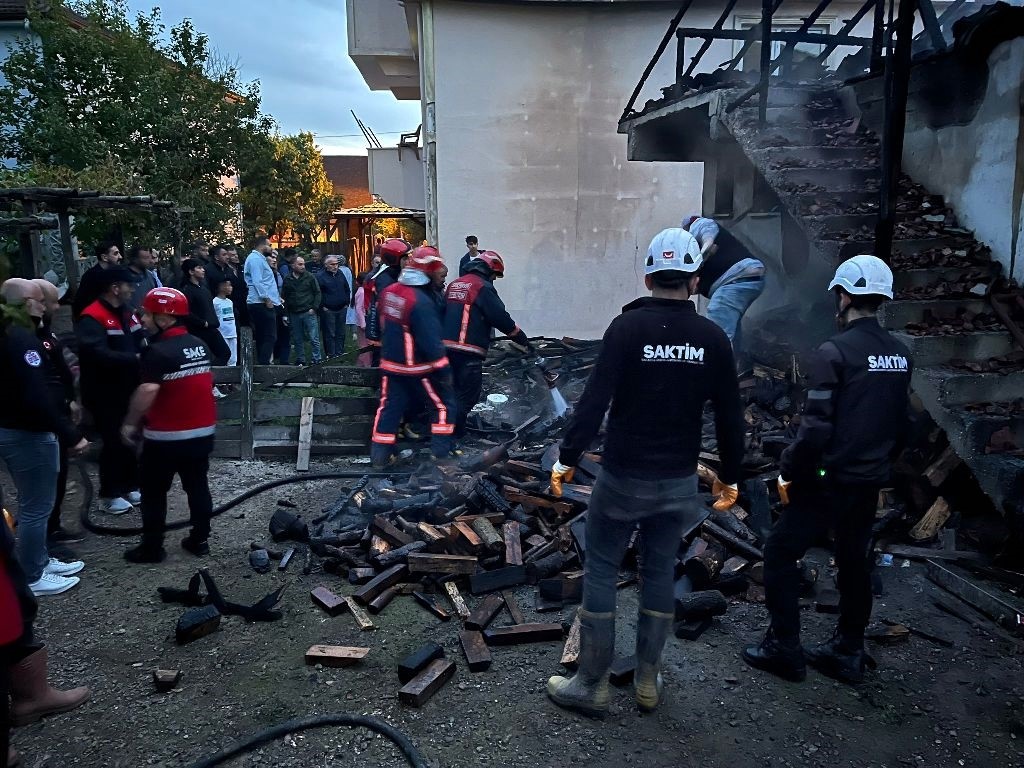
column 890, row 48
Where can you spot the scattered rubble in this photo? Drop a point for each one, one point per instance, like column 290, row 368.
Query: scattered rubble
column 964, row 321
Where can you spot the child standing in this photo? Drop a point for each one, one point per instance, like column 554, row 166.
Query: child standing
column 226, row 314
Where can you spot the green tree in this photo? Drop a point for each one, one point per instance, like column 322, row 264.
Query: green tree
column 101, row 100
column 288, row 189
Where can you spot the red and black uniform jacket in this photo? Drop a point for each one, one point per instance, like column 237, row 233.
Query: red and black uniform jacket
column 411, row 343
column 109, row 341
column 24, row 385
column 184, row 407
column 373, row 290
column 473, row 309
column 18, row 606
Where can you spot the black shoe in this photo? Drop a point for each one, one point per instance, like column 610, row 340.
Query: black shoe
column 840, row 660
column 784, row 660
column 63, row 536
column 145, row 554
column 196, row 547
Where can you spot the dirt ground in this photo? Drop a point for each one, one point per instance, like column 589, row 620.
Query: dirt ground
column 926, row 705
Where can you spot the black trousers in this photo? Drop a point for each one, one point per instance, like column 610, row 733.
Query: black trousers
column 119, row 469
column 468, row 375
column 161, row 461
column 53, row 524
column 814, row 507
column 5, row 705
column 283, row 344
column 264, row 331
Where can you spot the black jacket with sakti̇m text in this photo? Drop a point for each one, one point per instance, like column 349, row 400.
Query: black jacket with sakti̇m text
column 660, row 364
column 857, row 411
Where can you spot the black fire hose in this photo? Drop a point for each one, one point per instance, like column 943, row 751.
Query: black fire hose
column 404, row 744
column 113, row 530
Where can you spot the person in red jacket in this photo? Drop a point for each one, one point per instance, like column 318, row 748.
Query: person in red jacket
column 393, row 255
column 413, row 359
column 174, row 408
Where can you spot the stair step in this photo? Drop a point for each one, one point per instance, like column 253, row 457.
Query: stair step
column 900, row 313
column 915, row 278
column 977, row 428
column 940, row 349
column 811, row 154
column 788, row 116
column 802, row 136
column 952, row 386
column 825, row 177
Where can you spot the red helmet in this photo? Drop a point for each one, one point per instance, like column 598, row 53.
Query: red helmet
column 427, row 259
column 393, row 249
column 166, row 301
column 493, row 261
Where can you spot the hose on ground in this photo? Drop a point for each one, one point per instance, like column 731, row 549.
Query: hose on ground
column 404, row 744
column 114, row 530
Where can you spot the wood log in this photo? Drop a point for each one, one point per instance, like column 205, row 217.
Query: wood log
column 523, row 633
column 478, row 655
column 421, row 688
column 380, row 602
column 286, row 558
column 489, row 581
column 704, row 568
column 361, row 617
column 399, row 555
column 928, row 526
column 536, row 540
column 513, row 543
column 547, row 567
column 335, row 655
column 700, row 605
column 706, row 474
column 732, row 541
column 571, row 651
column 733, row 566
column 995, row 605
column 488, row 534
column 693, row 629
column 196, row 623
column 939, row 469
column 731, row 523
column 432, row 535
column 327, row 600
column 485, row 612
column 359, row 576
column 387, row 530
column 465, row 535
column 418, row 660
column 457, row 602
column 378, row 547
column 513, row 607
column 166, row 679
column 428, row 602
column 560, row 508
column 369, row 591
column 561, row 589
column 420, row 562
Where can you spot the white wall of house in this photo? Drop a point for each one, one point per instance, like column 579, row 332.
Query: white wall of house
column 398, row 178
column 975, row 166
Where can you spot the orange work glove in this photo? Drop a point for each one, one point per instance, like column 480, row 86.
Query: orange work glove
column 560, row 474
column 783, row 486
column 727, row 495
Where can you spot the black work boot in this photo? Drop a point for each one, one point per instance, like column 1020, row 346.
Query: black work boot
column 840, row 658
column 195, row 545
column 785, row 659
column 146, row 552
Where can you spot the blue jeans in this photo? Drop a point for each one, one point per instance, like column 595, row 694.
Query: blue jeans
column 662, row 509
column 333, row 321
column 302, row 327
column 727, row 305
column 33, row 459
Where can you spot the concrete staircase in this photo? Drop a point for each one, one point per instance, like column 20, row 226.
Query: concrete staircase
column 825, row 170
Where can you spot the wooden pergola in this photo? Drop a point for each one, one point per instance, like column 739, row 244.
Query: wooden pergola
column 353, row 226
column 48, row 208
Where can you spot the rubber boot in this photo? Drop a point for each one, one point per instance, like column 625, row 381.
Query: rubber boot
column 381, row 455
column 587, row 690
column 782, row 658
column 651, row 632
column 841, row 658
column 32, row 698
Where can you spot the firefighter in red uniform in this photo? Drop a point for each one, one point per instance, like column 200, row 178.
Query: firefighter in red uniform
column 393, row 253
column 413, row 360
column 474, row 309
column 175, row 409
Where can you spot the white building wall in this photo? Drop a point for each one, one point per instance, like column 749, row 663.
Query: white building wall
column 398, row 181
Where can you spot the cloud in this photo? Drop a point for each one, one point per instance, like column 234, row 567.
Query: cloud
column 298, row 52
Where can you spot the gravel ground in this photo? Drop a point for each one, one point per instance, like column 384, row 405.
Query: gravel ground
column 925, row 706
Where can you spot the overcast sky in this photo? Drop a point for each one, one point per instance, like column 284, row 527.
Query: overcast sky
column 307, row 80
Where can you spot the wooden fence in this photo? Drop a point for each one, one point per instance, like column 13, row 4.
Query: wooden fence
column 275, row 410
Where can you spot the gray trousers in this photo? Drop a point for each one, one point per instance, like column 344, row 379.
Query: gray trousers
column 662, row 510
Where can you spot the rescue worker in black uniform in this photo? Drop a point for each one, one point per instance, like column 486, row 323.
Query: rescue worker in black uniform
column 660, row 364
column 393, row 253
column 474, row 309
column 174, row 408
column 853, row 423
column 413, row 360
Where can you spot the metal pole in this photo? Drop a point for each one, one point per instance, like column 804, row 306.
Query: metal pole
column 897, row 82
column 767, row 8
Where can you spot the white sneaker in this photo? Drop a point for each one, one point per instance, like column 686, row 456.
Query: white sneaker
column 59, row 568
column 135, row 497
column 52, row 584
column 117, row 506
column 218, row 394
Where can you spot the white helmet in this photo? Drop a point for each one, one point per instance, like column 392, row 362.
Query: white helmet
column 673, row 249
column 864, row 276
